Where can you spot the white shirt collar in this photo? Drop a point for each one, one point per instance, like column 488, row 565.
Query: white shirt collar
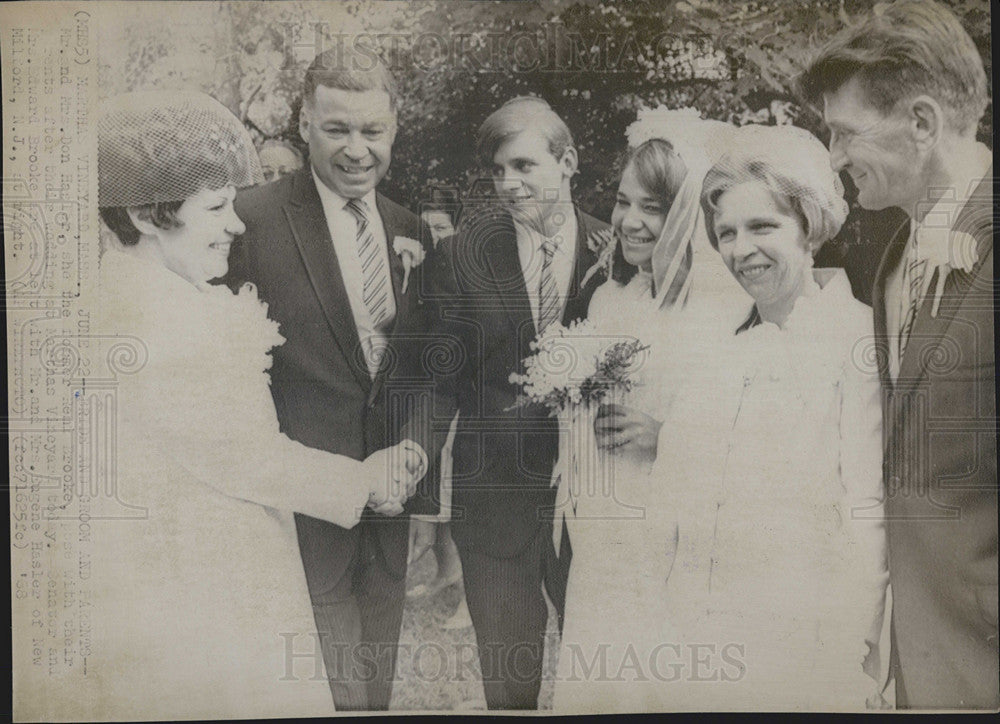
column 332, row 199
column 564, row 236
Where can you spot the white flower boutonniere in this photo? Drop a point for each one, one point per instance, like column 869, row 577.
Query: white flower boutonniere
column 603, row 244
column 411, row 252
column 959, row 253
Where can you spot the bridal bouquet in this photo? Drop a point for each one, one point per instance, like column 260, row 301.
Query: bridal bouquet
column 574, row 369
column 574, row 366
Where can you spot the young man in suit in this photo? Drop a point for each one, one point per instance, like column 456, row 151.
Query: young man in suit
column 902, row 94
column 319, row 246
column 514, row 267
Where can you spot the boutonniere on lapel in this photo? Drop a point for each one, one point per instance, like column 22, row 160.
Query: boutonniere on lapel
column 603, row 244
column 412, row 254
column 959, row 253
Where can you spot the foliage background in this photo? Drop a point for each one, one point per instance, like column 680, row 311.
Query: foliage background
column 457, row 60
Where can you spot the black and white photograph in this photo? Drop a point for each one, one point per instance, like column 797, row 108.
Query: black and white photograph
column 499, row 357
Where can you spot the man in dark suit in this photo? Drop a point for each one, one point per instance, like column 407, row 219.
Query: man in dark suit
column 325, row 251
column 903, row 93
column 515, row 266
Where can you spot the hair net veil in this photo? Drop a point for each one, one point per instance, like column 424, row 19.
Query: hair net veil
column 155, row 146
column 795, row 164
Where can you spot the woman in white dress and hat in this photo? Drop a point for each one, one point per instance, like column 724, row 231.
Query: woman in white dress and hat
column 199, row 606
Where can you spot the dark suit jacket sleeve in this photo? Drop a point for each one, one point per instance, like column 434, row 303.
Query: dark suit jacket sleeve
column 442, row 359
column 416, row 422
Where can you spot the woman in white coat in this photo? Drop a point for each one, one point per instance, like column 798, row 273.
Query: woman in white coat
column 771, row 457
column 199, row 604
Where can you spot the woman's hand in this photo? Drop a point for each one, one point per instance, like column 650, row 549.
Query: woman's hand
column 625, row 430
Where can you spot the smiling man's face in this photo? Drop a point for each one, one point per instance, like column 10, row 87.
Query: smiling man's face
column 350, row 135
column 529, row 178
column 875, row 149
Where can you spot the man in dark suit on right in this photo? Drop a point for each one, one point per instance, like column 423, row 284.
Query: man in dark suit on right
column 902, row 94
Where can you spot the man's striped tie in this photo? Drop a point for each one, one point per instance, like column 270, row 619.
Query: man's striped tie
column 549, row 308
column 915, row 275
column 375, row 286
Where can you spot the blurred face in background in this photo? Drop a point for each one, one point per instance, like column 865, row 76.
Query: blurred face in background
column 277, row 160
column 350, row 135
column 439, row 222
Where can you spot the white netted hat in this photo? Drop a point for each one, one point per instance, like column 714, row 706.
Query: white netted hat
column 155, row 146
column 794, row 163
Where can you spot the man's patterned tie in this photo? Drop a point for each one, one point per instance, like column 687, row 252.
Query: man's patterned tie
column 549, row 308
column 915, row 275
column 375, row 286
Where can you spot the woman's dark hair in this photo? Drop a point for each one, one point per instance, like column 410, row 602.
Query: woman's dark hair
column 163, row 215
column 659, row 169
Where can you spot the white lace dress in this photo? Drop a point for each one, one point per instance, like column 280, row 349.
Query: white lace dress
column 200, row 605
column 771, row 455
column 619, row 536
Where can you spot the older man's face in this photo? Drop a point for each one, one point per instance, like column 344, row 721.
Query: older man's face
column 350, row 135
column 878, row 151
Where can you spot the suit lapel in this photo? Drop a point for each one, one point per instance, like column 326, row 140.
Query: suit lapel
column 975, row 218
column 578, row 298
column 312, row 235
column 501, row 255
column 890, row 260
column 509, row 277
column 392, row 226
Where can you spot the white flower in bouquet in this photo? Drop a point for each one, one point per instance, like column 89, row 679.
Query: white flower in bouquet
column 575, row 365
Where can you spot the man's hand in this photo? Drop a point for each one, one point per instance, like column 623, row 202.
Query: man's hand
column 423, row 534
column 625, row 430
column 394, row 474
column 411, row 465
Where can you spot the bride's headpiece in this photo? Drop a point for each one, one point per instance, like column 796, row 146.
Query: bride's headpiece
column 155, row 146
column 699, row 143
column 696, row 140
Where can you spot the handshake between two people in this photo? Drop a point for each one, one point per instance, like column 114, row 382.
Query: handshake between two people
column 393, row 474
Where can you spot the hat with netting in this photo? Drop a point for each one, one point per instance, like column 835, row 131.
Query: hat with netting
column 792, row 162
column 156, row 146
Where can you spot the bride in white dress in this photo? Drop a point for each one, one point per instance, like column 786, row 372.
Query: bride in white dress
column 199, row 606
column 613, row 617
